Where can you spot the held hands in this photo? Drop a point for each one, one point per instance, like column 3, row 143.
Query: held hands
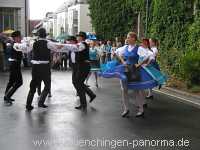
column 59, row 46
column 124, row 63
column 146, row 61
column 137, row 65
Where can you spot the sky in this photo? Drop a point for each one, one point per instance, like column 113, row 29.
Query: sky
column 38, row 8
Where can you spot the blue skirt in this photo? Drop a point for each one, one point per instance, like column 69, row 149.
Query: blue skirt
column 117, row 71
column 156, row 74
column 155, row 65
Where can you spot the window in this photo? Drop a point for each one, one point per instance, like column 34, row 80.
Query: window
column 10, row 18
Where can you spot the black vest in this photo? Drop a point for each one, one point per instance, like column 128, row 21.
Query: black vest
column 17, row 55
column 82, row 56
column 41, row 51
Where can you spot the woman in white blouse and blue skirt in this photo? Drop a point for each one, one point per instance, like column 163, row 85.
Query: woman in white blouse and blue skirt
column 131, row 73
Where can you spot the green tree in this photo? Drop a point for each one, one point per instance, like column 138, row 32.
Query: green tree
column 111, row 18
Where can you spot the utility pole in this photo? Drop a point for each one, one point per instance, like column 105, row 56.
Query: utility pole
column 147, row 17
column 26, row 11
column 138, row 29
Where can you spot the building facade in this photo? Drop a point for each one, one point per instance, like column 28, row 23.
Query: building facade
column 49, row 23
column 70, row 18
column 61, row 20
column 14, row 14
column 79, row 19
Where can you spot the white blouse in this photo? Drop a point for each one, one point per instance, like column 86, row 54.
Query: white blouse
column 144, row 54
column 121, row 50
column 155, row 51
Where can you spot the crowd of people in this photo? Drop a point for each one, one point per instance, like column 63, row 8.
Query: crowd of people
column 133, row 63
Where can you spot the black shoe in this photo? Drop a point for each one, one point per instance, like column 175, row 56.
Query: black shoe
column 6, row 99
column 160, row 86
column 42, row 105
column 8, row 103
column 12, row 99
column 92, row 98
column 145, row 105
column 149, row 97
column 125, row 114
column 84, row 108
column 97, row 85
column 139, row 114
column 49, row 95
column 29, row 108
column 81, row 107
column 78, row 107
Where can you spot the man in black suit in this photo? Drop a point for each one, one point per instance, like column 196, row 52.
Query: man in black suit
column 81, row 59
column 15, row 77
column 41, row 69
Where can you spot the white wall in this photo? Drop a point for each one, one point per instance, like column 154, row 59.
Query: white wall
column 70, row 19
column 85, row 21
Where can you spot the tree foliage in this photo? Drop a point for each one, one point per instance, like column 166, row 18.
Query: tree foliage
column 111, row 18
column 193, row 42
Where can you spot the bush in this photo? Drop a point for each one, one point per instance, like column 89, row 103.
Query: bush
column 169, row 61
column 190, row 65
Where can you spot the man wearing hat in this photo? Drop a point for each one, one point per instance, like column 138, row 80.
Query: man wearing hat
column 15, row 77
column 81, row 68
column 81, row 59
column 41, row 69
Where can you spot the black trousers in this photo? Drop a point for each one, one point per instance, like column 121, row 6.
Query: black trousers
column 15, row 79
column 39, row 88
column 40, row 72
column 78, row 80
column 64, row 62
column 74, row 72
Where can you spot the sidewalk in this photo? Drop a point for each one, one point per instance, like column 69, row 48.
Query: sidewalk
column 181, row 96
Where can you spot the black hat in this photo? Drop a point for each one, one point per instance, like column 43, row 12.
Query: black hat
column 82, row 34
column 16, row 34
column 71, row 38
column 42, row 33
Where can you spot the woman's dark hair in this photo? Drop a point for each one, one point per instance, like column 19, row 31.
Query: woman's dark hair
column 42, row 33
column 16, row 34
column 147, row 42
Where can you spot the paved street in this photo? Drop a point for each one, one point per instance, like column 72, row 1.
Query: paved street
column 61, row 127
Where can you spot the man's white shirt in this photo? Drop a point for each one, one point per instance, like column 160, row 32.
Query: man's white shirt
column 26, row 47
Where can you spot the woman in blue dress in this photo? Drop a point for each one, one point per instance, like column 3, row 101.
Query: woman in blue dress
column 151, row 66
column 131, row 56
column 94, row 62
column 154, row 44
